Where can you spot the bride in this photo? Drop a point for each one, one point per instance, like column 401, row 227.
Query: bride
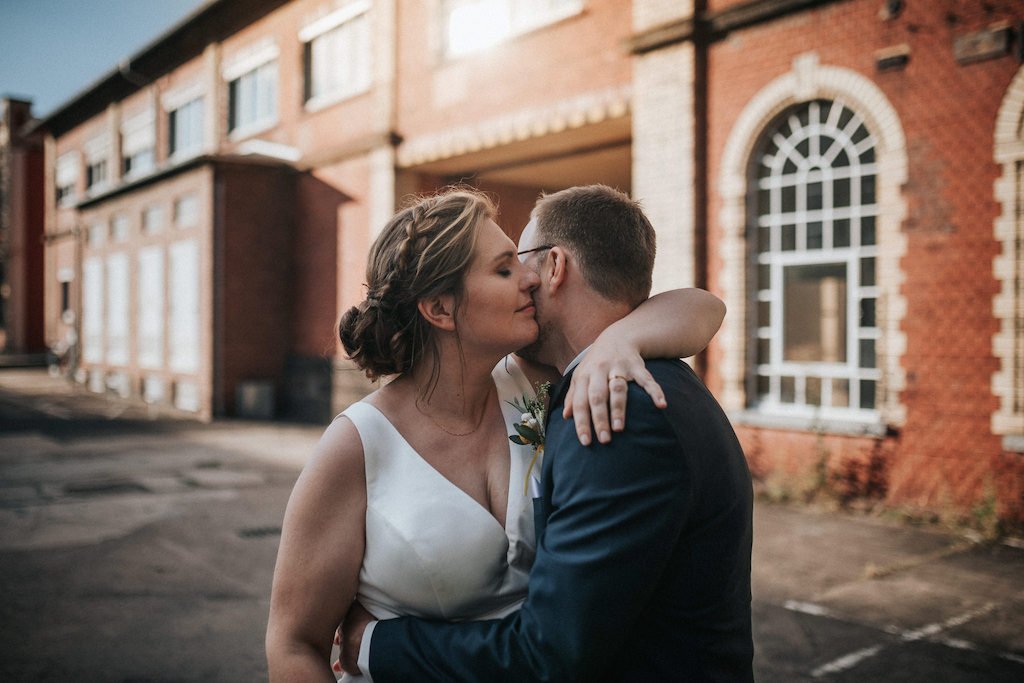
column 415, row 501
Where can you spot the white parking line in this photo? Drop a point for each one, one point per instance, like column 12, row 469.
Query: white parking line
column 929, row 632
column 846, row 661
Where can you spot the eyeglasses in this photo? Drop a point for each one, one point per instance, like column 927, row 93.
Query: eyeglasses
column 524, row 252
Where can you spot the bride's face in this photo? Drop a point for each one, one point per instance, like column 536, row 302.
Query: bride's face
column 497, row 309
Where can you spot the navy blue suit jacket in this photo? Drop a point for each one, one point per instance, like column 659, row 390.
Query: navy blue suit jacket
column 643, row 560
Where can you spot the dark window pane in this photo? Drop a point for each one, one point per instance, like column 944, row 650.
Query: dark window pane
column 867, row 394
column 867, row 189
column 814, row 199
column 764, row 202
column 844, row 118
column 814, row 313
column 867, row 312
column 841, row 192
column 859, row 134
column 814, row 232
column 804, row 116
column 788, row 237
column 841, row 233
column 764, row 239
column 867, row 231
column 804, row 147
column 813, row 391
column 867, row 156
column 789, row 198
column 842, row 160
column 789, row 166
column 787, row 389
column 867, row 353
column 763, row 351
column 867, row 272
column 840, row 393
column 763, row 386
column 764, row 276
column 764, row 309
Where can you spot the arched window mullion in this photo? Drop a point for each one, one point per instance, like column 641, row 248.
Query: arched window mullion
column 815, row 319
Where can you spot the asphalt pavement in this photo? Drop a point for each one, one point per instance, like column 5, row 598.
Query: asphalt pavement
column 138, row 545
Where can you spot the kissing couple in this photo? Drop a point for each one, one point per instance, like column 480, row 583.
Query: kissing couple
column 467, row 523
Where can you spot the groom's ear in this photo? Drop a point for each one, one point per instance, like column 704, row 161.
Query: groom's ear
column 439, row 311
column 557, row 271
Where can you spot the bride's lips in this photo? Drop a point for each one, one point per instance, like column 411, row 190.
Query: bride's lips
column 528, row 308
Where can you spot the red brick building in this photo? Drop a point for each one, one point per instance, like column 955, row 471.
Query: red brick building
column 21, row 232
column 846, row 174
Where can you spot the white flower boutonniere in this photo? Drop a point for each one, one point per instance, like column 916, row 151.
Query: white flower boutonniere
column 530, row 428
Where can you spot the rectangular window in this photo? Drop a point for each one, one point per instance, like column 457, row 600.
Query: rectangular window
column 186, row 211
column 117, row 309
column 814, row 313
column 183, row 291
column 138, row 144
column 338, row 55
column 97, row 159
column 185, row 129
column 150, row 314
column 65, row 297
column 474, row 25
column 92, row 310
column 66, row 177
column 96, row 174
column 96, row 235
column 252, row 99
column 119, row 228
column 152, row 220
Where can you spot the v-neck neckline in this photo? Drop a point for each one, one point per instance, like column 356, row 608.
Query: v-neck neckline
column 475, row 503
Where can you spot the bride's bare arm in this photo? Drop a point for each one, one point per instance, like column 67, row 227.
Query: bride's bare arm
column 318, row 562
column 674, row 324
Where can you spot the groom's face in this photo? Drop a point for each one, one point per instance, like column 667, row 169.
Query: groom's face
column 533, row 255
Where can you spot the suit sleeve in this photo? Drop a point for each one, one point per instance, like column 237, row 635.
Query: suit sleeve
column 616, row 512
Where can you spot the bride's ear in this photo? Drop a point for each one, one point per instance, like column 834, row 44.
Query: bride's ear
column 439, row 311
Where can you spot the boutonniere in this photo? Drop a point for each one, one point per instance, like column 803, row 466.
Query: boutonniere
column 530, row 428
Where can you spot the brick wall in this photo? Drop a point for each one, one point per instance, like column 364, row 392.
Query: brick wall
column 943, row 453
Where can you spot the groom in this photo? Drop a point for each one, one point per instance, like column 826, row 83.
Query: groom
column 643, row 544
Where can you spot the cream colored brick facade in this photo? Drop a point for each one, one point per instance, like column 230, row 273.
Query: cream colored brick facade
column 663, row 157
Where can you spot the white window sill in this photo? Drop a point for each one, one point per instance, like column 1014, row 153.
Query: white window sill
column 1013, row 443
column 801, row 423
column 547, row 21
column 251, row 129
column 182, row 155
column 320, row 102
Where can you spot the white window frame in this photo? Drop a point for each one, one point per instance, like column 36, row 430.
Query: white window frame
column 93, row 316
column 138, row 144
column 809, row 79
column 118, row 308
column 68, row 167
column 258, row 62
column 496, row 21
column 343, row 37
column 188, row 118
column 97, row 154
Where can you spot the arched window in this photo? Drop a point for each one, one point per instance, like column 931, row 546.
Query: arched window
column 1008, row 304
column 813, row 237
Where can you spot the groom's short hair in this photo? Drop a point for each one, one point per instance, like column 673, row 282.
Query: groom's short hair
column 609, row 235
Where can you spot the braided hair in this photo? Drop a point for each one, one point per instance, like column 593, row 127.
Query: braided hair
column 424, row 251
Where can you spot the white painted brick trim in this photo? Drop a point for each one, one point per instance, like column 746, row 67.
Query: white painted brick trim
column 811, row 80
column 1008, row 229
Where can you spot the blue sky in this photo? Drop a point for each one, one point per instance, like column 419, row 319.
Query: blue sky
column 52, row 49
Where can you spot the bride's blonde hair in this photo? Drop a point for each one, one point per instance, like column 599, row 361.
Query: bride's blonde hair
column 424, row 251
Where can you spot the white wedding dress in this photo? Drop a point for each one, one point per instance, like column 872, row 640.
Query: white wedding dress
column 431, row 550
